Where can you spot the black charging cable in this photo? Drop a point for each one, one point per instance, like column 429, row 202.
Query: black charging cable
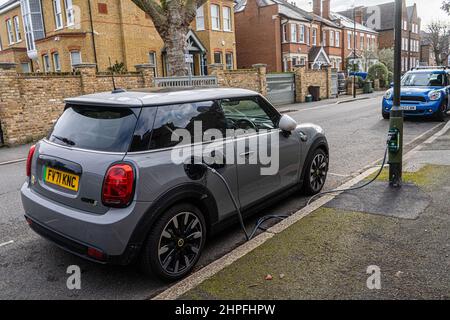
column 262, row 220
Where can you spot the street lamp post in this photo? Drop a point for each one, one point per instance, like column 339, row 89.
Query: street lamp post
column 354, row 51
column 396, row 114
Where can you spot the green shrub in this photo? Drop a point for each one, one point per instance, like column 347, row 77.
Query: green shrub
column 379, row 71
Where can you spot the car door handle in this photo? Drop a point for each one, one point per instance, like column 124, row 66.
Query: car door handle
column 246, row 154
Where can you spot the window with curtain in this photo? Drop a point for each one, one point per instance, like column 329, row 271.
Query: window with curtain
column 70, row 16
column 293, row 32
column 56, row 62
column 57, row 10
column 200, row 18
column 17, row 29
column 75, row 57
column 9, row 29
column 338, row 39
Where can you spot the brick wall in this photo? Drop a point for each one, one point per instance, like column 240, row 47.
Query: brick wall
column 306, row 77
column 30, row 103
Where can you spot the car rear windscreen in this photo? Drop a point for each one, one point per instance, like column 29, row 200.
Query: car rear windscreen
column 95, row 128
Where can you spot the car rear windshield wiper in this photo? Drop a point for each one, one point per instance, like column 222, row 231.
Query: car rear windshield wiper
column 65, row 140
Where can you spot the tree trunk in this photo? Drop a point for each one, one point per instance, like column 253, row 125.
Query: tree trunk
column 175, row 41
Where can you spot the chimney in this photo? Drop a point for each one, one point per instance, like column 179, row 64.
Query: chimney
column 359, row 15
column 326, row 9
column 317, row 7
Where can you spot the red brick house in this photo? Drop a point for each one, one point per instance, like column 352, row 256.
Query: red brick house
column 282, row 35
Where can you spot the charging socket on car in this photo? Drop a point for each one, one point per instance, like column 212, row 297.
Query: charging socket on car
column 394, row 140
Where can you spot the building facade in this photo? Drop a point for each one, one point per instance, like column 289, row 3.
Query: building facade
column 54, row 35
column 282, row 35
column 381, row 18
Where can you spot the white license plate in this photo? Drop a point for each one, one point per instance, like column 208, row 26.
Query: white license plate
column 408, row 108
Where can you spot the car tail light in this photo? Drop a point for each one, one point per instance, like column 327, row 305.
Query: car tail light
column 118, row 186
column 96, row 254
column 30, row 159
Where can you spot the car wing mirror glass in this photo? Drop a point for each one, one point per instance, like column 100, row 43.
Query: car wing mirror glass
column 287, row 123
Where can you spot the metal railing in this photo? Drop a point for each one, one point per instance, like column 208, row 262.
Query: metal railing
column 194, row 81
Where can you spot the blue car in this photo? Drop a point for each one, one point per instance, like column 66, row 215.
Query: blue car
column 424, row 92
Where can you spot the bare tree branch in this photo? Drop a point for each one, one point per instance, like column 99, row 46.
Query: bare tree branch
column 154, row 10
column 190, row 9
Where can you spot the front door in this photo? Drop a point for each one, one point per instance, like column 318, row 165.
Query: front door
column 267, row 160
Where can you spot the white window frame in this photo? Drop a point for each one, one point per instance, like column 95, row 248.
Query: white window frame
column 71, row 57
column 331, row 38
column 301, row 36
column 56, row 61
column 293, row 28
column 215, row 19
column 200, row 18
column 307, row 35
column 28, row 67
column 229, row 66
column 314, row 36
column 221, row 57
column 226, row 17
column 324, row 38
column 284, row 32
column 10, row 31
column 70, row 13
column 152, row 59
column 46, row 63
column 337, row 40
column 349, row 39
column 57, row 10
column 17, row 28
column 362, row 41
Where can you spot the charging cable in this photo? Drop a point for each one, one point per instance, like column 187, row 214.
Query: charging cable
column 262, row 220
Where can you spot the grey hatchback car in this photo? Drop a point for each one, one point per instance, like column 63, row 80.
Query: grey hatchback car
column 103, row 184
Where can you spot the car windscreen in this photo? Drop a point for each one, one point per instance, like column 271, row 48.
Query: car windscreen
column 423, row 79
column 95, row 128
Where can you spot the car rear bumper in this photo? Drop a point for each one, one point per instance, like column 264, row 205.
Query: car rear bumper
column 422, row 108
column 77, row 232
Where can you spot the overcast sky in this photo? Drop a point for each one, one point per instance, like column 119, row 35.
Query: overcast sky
column 429, row 10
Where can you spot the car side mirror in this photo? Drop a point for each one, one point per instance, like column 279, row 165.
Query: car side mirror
column 287, row 124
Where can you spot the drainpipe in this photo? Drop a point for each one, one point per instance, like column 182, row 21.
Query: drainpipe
column 92, row 34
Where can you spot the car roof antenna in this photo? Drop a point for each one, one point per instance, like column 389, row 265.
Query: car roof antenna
column 115, row 89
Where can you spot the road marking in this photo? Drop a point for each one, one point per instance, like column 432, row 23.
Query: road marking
column 12, row 161
column 6, row 243
column 214, row 267
column 339, row 175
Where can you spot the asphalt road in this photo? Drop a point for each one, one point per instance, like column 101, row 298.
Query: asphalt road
column 32, row 268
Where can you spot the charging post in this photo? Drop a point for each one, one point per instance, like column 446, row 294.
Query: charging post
column 396, row 114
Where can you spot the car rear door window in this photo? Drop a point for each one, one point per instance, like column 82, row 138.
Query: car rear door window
column 169, row 118
column 95, row 128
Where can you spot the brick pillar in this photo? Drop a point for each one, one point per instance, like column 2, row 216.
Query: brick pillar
column 328, row 81
column 148, row 74
column 217, row 70
column 11, row 109
column 261, row 70
column 300, row 86
column 88, row 77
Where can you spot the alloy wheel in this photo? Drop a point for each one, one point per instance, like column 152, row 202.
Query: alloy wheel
column 180, row 243
column 318, row 172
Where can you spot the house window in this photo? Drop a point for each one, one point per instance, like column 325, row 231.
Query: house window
column 70, row 16
column 200, row 18
column 307, row 36
column 361, row 41
column 102, row 8
column 33, row 23
column 338, row 39
column 294, row 61
column 9, row 28
column 349, row 40
column 75, row 58
column 314, row 36
column 229, row 60
column 46, row 63
column 302, row 61
column 25, row 66
column 217, row 57
column 226, row 11
column 152, row 60
column 331, row 38
column 56, row 62
column 405, row 25
column 324, row 38
column 17, row 29
column 302, row 34
column 284, row 31
column 285, row 65
column 293, row 32
column 58, row 14
column 215, row 17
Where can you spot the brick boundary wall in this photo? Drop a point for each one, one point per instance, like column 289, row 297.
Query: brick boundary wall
column 31, row 103
column 307, row 77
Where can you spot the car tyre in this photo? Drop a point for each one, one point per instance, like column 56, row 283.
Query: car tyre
column 316, row 171
column 174, row 243
column 441, row 112
column 385, row 115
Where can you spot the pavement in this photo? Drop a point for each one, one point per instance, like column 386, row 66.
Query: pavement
column 373, row 243
column 33, row 268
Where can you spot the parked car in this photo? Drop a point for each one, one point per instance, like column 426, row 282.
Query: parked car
column 342, row 82
column 103, row 184
column 363, row 75
column 424, row 92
